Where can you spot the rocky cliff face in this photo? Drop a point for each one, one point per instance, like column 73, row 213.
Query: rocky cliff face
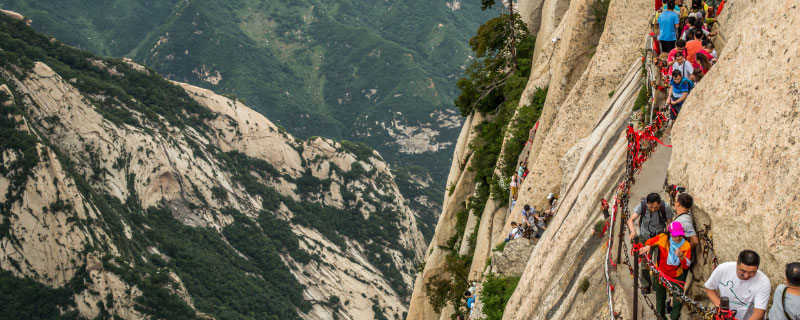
column 127, row 192
column 593, row 76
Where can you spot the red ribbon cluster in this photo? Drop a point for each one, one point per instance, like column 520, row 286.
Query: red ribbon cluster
column 724, row 315
column 636, row 140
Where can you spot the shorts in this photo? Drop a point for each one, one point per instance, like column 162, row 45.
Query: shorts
column 666, row 46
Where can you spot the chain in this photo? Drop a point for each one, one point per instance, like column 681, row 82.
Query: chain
column 677, row 291
column 708, row 245
column 704, row 235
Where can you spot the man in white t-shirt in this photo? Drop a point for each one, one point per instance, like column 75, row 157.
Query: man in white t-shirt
column 747, row 288
column 516, row 232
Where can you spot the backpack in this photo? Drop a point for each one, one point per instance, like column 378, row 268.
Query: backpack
column 691, row 84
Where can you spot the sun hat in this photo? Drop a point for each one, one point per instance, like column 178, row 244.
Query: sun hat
column 676, row 229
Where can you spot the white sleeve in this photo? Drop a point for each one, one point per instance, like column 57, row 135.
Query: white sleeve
column 713, row 281
column 762, row 296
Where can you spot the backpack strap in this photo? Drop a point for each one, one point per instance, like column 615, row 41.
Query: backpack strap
column 643, row 208
column 783, row 303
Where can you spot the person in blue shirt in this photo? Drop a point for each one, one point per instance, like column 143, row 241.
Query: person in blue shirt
column 470, row 302
column 668, row 23
column 681, row 87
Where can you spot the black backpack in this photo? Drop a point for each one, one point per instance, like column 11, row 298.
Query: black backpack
column 662, row 214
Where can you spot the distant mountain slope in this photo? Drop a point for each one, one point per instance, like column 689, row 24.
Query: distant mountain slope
column 382, row 72
column 123, row 194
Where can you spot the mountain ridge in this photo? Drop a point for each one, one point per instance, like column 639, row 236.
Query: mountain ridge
column 123, row 192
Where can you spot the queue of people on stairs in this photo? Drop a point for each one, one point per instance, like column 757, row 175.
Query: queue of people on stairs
column 670, row 232
column 689, row 56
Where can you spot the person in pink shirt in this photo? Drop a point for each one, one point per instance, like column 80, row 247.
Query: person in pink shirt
column 680, row 46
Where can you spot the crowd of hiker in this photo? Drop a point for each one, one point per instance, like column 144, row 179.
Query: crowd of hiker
column 534, row 223
column 685, row 48
column 668, row 232
column 662, row 233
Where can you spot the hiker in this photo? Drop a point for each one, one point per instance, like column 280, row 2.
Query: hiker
column 683, row 203
column 699, row 8
column 516, row 232
column 680, row 47
column 668, row 23
column 696, row 76
column 674, row 258
column 689, row 33
column 527, row 215
column 514, row 186
column 694, row 45
column 540, row 225
column 653, row 215
column 786, row 300
column 525, row 171
column 680, row 90
column 708, row 51
column 747, row 288
column 470, row 302
column 520, row 171
column 552, row 200
column 688, row 25
column 702, row 63
column 681, row 65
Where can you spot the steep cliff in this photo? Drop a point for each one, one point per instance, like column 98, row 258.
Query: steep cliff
column 727, row 138
column 127, row 195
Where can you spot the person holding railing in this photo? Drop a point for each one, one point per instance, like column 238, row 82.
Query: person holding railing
column 680, row 88
column 653, row 215
column 743, row 284
column 674, row 258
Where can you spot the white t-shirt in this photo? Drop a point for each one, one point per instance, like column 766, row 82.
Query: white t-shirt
column 743, row 294
column 685, row 68
column 515, row 233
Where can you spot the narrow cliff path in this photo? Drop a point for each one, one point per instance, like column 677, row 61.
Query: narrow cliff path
column 652, row 175
column 649, row 179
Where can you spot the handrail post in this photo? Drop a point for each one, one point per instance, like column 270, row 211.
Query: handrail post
column 621, row 238
column 636, row 283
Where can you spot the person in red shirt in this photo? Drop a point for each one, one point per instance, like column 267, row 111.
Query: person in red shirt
column 703, row 63
column 680, row 46
column 708, row 51
column 674, row 258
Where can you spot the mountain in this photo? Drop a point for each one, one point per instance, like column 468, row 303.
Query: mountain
column 126, row 195
column 380, row 72
column 733, row 148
